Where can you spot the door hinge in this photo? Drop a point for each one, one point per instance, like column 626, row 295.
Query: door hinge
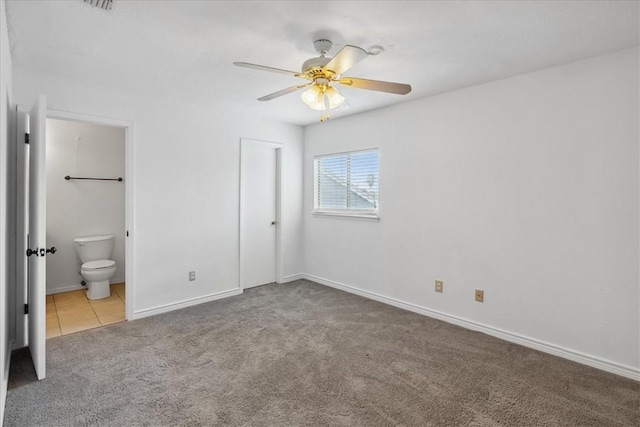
column 26, row 309
column 26, row 138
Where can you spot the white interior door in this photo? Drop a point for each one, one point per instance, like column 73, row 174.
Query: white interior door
column 22, row 226
column 258, row 213
column 37, row 235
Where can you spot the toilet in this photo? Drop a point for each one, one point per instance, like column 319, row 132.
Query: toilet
column 94, row 253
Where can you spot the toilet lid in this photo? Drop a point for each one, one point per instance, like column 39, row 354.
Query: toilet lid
column 98, row 265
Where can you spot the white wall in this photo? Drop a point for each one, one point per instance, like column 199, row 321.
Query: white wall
column 7, row 258
column 83, row 208
column 186, row 184
column 526, row 188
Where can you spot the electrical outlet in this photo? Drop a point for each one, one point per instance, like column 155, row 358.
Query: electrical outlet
column 192, row 276
column 439, row 286
column 479, row 295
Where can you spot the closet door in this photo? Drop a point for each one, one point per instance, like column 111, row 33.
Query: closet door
column 259, row 215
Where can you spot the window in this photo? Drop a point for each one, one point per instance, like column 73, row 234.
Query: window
column 347, row 184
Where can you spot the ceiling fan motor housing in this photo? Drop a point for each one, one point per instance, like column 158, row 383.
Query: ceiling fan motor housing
column 312, row 63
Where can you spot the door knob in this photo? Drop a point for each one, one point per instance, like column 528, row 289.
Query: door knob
column 32, row 252
column 52, row 250
column 274, row 222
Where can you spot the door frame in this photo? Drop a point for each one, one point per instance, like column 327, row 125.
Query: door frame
column 279, row 260
column 129, row 199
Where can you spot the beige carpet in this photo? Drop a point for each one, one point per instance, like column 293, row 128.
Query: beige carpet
column 302, row 354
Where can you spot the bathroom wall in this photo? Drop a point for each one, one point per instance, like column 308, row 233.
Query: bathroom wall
column 82, row 208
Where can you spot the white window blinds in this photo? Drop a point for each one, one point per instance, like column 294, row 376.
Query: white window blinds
column 347, row 182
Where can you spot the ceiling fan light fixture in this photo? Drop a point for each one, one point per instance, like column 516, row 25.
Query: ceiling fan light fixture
column 321, row 98
column 312, row 95
column 335, row 98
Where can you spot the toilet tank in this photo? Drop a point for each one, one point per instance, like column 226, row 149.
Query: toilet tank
column 93, row 248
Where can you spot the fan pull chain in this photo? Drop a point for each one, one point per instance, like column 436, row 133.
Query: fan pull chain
column 325, row 110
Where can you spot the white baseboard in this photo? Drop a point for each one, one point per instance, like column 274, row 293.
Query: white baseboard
column 585, row 359
column 184, row 304
column 292, row 278
column 64, row 289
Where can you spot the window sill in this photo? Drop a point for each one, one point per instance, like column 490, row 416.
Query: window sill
column 347, row 215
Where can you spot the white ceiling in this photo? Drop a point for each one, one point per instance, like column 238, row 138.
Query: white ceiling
column 186, row 49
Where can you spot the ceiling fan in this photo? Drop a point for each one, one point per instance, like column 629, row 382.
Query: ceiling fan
column 321, row 72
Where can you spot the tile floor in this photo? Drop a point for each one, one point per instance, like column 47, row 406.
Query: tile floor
column 71, row 312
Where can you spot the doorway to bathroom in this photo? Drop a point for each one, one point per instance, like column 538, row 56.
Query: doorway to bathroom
column 34, row 250
column 85, row 206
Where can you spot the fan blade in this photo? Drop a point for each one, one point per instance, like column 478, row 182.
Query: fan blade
column 380, row 86
column 283, row 92
column 346, row 58
column 265, row 68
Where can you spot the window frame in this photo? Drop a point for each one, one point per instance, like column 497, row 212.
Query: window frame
column 362, row 214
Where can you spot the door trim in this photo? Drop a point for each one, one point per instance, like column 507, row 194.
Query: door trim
column 279, row 196
column 129, row 202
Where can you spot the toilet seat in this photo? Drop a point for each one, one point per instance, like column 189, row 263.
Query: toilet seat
column 101, row 264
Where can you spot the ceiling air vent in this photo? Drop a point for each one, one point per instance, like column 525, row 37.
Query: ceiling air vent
column 102, row 4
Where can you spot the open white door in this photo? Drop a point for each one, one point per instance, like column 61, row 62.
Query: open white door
column 37, row 235
column 258, row 213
